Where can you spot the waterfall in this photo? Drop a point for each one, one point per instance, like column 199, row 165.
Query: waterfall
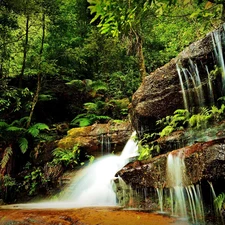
column 190, row 82
column 185, row 198
column 182, row 87
column 105, row 141
column 95, row 185
column 218, row 50
column 175, row 179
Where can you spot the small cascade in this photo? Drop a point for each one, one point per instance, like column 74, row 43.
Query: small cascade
column 105, row 141
column 182, row 87
column 218, row 50
column 186, row 200
column 160, row 196
column 94, row 187
column 219, row 214
column 210, row 87
column 191, row 85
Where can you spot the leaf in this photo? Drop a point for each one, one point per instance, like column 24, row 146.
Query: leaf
column 6, row 156
column 3, row 124
column 208, row 5
column 41, row 126
column 14, row 129
column 23, row 143
column 33, row 131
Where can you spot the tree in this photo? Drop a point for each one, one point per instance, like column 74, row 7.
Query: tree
column 123, row 19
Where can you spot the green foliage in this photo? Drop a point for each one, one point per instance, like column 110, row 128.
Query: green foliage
column 23, row 144
column 147, row 147
column 68, row 157
column 36, row 128
column 8, row 181
column 220, row 201
column 16, row 134
column 146, row 151
column 86, row 119
column 201, row 119
column 34, row 181
column 176, row 122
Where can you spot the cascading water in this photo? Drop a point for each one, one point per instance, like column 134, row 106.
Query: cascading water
column 95, row 187
column 185, row 198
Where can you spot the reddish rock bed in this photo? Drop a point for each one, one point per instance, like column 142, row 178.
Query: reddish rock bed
column 83, row 216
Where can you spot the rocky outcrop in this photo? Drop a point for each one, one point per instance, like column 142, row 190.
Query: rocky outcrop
column 160, row 93
column 203, row 161
column 98, row 137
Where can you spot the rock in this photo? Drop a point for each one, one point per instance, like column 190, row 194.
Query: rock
column 160, row 93
column 98, row 137
column 203, row 161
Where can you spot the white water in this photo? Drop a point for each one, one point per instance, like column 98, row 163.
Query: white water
column 185, row 198
column 94, row 186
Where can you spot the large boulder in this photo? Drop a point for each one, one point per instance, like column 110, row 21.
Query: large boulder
column 160, row 93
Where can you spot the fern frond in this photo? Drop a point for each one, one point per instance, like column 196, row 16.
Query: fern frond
column 14, row 129
column 91, row 106
column 23, row 143
column 219, row 201
column 99, row 85
column 81, row 122
column 41, row 126
column 6, row 156
column 33, row 131
column 45, row 97
column 166, row 131
column 3, row 124
column 46, row 137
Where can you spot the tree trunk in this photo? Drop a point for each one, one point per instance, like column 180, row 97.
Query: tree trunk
column 25, row 49
column 141, row 60
column 36, row 96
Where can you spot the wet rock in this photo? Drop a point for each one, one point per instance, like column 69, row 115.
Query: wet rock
column 204, row 161
column 98, row 137
column 160, row 93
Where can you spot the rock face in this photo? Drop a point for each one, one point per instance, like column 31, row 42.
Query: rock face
column 98, row 137
column 203, row 161
column 160, row 93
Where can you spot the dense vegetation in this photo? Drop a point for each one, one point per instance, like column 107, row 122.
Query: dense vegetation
column 79, row 62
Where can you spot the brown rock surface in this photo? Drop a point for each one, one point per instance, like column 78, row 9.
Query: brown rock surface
column 83, row 216
column 90, row 137
column 160, row 93
column 204, row 161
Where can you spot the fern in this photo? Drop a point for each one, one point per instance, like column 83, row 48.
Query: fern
column 83, row 120
column 6, row 156
column 99, row 85
column 45, row 97
column 67, row 156
column 3, row 124
column 21, row 122
column 14, row 129
column 23, row 143
column 41, row 126
column 219, row 201
column 166, row 131
column 35, row 129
